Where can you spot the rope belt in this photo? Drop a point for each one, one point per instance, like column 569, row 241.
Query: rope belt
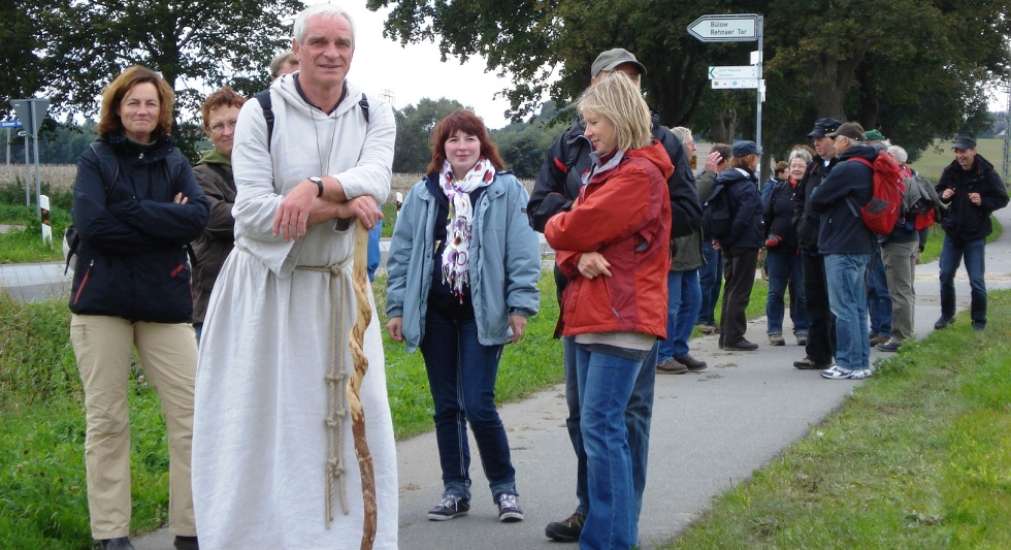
column 341, row 289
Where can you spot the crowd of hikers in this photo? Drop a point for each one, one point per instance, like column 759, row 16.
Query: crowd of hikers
column 233, row 280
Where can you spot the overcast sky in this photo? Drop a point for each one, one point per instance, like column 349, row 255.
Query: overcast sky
column 416, row 71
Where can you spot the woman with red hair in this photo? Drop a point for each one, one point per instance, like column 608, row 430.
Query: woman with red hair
column 463, row 270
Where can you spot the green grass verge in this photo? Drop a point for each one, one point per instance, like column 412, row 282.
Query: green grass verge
column 25, row 245
column 42, row 478
column 918, row 457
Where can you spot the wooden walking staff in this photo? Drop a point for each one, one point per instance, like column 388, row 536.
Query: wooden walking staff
column 363, row 316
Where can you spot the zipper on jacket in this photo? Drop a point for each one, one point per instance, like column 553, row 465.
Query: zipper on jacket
column 176, row 271
column 84, row 282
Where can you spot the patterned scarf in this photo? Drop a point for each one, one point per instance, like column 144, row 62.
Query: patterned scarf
column 456, row 255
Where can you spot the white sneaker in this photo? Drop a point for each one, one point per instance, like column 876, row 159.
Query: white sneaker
column 860, row 374
column 835, row 372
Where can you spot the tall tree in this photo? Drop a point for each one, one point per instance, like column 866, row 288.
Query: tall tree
column 193, row 43
column 414, row 126
column 913, row 67
column 20, row 44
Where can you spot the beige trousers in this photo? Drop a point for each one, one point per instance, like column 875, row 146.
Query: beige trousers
column 168, row 355
column 900, row 274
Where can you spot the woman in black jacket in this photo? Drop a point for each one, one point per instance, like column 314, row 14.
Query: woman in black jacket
column 136, row 206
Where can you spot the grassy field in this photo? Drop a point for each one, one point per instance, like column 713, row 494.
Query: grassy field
column 932, row 162
column 918, row 457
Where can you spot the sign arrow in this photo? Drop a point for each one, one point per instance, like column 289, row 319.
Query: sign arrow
column 740, row 27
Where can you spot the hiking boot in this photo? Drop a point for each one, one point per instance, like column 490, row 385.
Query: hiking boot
column 691, row 363
column 810, row 364
column 776, row 340
column 509, row 510
column 186, row 543
column 671, row 366
column 835, row 372
column 741, row 345
column 118, row 543
column 451, row 506
column 567, row 530
column 943, row 322
column 879, row 339
column 891, row 346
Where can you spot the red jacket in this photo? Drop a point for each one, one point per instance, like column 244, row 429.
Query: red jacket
column 623, row 213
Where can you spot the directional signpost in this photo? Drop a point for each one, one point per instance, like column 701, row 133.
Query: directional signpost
column 735, row 27
column 9, row 125
column 31, row 112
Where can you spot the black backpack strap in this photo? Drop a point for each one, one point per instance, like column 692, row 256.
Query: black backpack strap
column 263, row 98
column 364, row 104
column 109, row 179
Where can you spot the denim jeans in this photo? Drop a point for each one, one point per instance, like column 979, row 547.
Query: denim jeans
column 879, row 301
column 461, row 376
column 847, row 297
column 785, row 271
column 638, row 414
column 605, row 386
column 683, row 303
column 952, row 253
column 710, row 279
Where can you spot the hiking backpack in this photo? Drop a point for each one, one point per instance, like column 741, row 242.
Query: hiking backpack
column 263, row 98
column 881, row 213
column 716, row 215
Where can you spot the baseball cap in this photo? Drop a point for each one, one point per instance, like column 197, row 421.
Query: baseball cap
column 610, row 59
column 744, row 148
column 824, row 126
column 963, row 141
column 852, row 130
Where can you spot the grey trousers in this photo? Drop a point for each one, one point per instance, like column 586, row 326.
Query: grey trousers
column 900, row 269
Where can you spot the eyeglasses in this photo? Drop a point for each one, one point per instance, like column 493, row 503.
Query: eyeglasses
column 219, row 127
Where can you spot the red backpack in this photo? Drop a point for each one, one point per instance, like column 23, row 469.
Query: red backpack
column 881, row 213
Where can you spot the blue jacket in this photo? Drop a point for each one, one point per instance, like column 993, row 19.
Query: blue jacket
column 131, row 260
column 747, row 228
column 838, row 199
column 505, row 262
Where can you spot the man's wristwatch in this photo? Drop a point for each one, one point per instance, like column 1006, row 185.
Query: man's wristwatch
column 319, row 185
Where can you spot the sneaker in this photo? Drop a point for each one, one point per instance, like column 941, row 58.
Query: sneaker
column 835, row 372
column 860, row 374
column 943, row 322
column 509, row 510
column 567, row 530
column 741, row 345
column 810, row 364
column 671, row 366
column 776, row 340
column 451, row 506
column 691, row 363
column 891, row 346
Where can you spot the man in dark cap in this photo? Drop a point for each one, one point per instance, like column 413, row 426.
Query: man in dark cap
column 847, row 245
column 741, row 244
column 557, row 185
column 820, row 346
column 971, row 190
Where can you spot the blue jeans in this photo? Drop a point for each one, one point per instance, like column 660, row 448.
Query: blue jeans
column 605, row 386
column 710, row 278
column 952, row 253
column 683, row 303
column 847, row 297
column 461, row 376
column 785, row 271
column 638, row 414
column 879, row 301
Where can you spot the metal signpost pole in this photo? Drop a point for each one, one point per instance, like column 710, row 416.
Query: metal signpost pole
column 28, row 156
column 8, row 146
column 35, row 139
column 1007, row 135
column 760, row 92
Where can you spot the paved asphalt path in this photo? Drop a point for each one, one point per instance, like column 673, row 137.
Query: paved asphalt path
column 709, row 432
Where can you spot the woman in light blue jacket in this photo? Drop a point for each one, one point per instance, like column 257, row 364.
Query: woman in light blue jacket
column 463, row 270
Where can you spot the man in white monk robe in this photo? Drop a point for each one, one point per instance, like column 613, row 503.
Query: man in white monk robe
column 268, row 471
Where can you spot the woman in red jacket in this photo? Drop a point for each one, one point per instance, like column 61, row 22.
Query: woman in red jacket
column 614, row 247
